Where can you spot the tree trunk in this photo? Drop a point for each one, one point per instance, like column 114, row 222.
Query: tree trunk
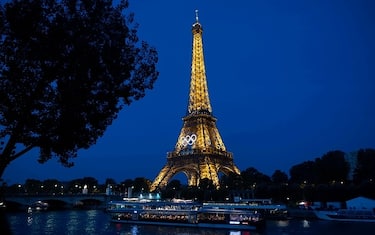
column 8, row 155
column 4, row 161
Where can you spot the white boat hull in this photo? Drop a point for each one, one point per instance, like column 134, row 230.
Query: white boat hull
column 194, row 225
column 346, row 217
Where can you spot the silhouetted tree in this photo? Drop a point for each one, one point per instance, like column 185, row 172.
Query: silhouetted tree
column 174, row 184
column 127, row 183
column 332, row 167
column 91, row 183
column 278, row 189
column 110, row 181
column 173, row 189
column 304, row 173
column 15, row 189
column 32, row 186
column 231, row 181
column 193, row 192
column 66, row 70
column 207, row 186
column 252, row 176
column 141, row 184
column 365, row 169
column 111, row 184
column 255, row 181
column 279, row 177
column 51, row 186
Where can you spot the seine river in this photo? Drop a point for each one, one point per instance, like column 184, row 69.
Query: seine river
column 96, row 222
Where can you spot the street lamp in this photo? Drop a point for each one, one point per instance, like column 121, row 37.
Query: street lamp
column 253, row 189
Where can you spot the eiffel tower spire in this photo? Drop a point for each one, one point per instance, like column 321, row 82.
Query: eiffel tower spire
column 199, row 152
column 199, row 106
column 199, row 100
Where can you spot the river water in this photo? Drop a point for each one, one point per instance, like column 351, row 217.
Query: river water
column 96, row 222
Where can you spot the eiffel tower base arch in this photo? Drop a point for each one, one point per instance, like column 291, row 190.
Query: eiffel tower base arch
column 196, row 167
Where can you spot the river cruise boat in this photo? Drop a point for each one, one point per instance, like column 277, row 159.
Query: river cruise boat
column 183, row 213
column 347, row 215
column 263, row 206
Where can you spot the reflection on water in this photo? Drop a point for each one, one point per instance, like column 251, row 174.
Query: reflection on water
column 282, row 223
column 72, row 222
column 134, row 230
column 305, row 223
column 49, row 223
column 235, row 233
column 29, row 220
column 170, row 230
column 59, row 222
column 96, row 222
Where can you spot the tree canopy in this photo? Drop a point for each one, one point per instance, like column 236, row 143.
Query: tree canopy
column 66, row 70
column 364, row 171
column 331, row 167
column 309, row 181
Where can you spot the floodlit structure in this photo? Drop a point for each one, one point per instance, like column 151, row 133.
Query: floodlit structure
column 200, row 151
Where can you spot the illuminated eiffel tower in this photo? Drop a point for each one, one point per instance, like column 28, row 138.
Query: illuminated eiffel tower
column 199, row 152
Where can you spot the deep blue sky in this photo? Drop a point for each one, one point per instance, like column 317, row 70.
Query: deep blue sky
column 288, row 81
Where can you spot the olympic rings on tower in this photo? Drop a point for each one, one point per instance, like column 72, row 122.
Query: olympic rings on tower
column 188, row 140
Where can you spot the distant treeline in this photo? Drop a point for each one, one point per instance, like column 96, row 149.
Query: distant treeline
column 333, row 177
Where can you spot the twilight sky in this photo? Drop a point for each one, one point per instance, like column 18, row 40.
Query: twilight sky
column 288, row 82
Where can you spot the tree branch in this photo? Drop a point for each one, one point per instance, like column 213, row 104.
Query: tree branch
column 15, row 156
column 10, row 145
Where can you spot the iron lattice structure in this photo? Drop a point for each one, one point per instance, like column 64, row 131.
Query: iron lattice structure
column 200, row 151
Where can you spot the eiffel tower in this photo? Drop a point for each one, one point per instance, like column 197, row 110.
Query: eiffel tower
column 199, row 152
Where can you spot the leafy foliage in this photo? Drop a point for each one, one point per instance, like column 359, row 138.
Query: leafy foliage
column 252, row 176
column 279, row 177
column 365, row 169
column 303, row 172
column 66, row 70
column 332, row 167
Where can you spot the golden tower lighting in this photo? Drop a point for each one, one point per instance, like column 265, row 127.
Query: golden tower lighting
column 199, row 152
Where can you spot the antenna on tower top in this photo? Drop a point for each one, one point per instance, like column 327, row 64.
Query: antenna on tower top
column 196, row 15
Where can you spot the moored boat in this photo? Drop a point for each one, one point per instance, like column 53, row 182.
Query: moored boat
column 347, row 215
column 38, row 206
column 183, row 213
column 262, row 206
